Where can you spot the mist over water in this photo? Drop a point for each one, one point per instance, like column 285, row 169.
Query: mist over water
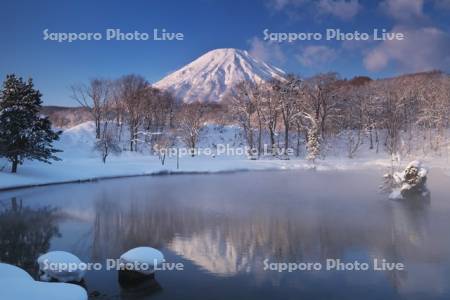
column 222, row 227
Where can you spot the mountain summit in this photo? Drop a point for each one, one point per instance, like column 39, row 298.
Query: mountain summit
column 212, row 75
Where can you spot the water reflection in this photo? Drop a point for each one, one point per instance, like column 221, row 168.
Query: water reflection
column 226, row 229
column 141, row 289
column 25, row 232
column 227, row 242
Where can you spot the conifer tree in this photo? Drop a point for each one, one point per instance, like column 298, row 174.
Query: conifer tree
column 24, row 134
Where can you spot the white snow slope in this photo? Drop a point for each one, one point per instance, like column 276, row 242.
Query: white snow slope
column 211, row 76
column 81, row 162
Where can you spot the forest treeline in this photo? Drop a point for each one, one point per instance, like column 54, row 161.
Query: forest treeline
column 400, row 115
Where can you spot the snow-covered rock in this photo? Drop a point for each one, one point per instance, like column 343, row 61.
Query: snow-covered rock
column 8, row 272
column 211, row 76
column 34, row 290
column 61, row 266
column 142, row 260
column 410, row 182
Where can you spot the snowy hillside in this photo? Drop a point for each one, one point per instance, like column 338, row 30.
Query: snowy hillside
column 211, row 76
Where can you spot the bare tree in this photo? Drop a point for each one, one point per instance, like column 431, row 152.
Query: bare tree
column 242, row 105
column 434, row 112
column 323, row 92
column 190, row 119
column 388, row 97
column 108, row 142
column 133, row 90
column 352, row 113
column 290, row 91
column 94, row 97
column 117, row 107
column 269, row 110
column 158, row 113
column 164, row 143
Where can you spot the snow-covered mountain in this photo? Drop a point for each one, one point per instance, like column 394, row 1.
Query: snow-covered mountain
column 211, row 76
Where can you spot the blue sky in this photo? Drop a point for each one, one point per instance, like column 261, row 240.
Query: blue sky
column 210, row 24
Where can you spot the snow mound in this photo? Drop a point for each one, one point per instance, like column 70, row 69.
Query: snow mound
column 35, row 290
column 12, row 272
column 211, row 76
column 143, row 259
column 83, row 133
column 16, row 284
column 61, row 266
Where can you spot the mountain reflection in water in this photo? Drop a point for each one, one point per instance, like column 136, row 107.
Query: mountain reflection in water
column 224, row 226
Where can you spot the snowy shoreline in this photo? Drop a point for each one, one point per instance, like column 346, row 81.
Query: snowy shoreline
column 80, row 163
column 95, row 179
column 150, row 166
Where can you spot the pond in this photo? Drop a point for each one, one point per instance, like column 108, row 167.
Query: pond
column 227, row 228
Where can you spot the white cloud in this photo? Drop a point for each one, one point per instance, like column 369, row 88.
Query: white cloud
column 266, row 51
column 422, row 49
column 316, row 56
column 342, row 9
column 403, row 10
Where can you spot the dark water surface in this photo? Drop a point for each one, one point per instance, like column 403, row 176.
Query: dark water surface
column 223, row 227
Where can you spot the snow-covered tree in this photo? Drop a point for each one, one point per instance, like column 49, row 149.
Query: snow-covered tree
column 313, row 143
column 24, row 134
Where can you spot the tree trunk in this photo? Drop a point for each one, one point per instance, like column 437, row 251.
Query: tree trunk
column 132, row 139
column 105, row 154
column 97, row 128
column 377, row 140
column 371, row 138
column 250, row 136
column 272, row 140
column 286, row 138
column 259, row 138
column 15, row 163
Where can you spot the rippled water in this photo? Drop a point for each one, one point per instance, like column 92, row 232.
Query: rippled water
column 223, row 227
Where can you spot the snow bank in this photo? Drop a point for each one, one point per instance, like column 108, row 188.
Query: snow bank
column 81, row 163
column 61, row 266
column 34, row 290
column 16, row 284
column 12, row 272
column 143, row 259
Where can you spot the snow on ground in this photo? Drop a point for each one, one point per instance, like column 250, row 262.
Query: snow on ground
column 81, row 163
column 16, row 284
column 35, row 290
column 12, row 272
